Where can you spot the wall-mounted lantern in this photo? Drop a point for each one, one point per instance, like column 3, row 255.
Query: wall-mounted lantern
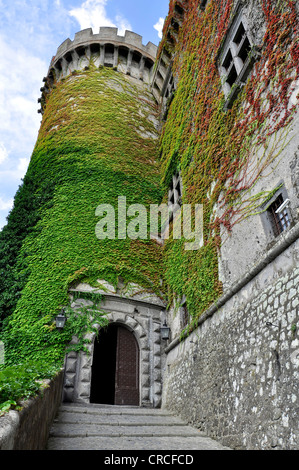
column 165, row 331
column 60, row 320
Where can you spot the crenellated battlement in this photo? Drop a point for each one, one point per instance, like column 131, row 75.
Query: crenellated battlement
column 126, row 54
column 107, row 34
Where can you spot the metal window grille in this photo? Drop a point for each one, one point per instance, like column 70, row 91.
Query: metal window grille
column 281, row 220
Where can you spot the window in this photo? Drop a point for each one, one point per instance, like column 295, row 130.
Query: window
column 279, row 216
column 236, row 58
column 167, row 93
column 174, row 205
column 185, row 317
column 175, row 193
column 172, row 208
column 275, row 213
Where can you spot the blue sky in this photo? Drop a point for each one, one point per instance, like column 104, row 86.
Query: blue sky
column 30, row 33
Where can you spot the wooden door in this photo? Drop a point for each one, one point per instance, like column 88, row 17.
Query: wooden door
column 127, row 369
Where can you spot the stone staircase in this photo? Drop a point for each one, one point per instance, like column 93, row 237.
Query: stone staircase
column 106, row 427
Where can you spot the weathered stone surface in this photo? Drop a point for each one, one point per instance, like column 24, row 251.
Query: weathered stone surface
column 99, row 427
column 28, row 429
column 236, row 376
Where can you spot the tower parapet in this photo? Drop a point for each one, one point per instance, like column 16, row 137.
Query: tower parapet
column 126, row 54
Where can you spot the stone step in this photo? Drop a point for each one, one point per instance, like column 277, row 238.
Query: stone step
column 113, row 410
column 134, row 443
column 116, row 420
column 105, row 427
column 76, row 430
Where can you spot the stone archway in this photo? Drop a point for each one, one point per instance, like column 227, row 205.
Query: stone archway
column 146, row 330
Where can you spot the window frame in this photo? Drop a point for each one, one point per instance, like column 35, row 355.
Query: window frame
column 175, row 194
column 239, row 66
column 271, row 221
column 184, row 313
column 280, row 220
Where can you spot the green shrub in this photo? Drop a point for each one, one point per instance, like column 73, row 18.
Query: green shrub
column 23, row 381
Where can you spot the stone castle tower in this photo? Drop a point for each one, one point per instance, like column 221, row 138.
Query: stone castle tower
column 97, row 104
column 210, row 117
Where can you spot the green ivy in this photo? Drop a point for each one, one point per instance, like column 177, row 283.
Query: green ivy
column 20, row 382
column 218, row 149
column 94, row 145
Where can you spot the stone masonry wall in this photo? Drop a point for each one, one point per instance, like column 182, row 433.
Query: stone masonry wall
column 236, row 376
column 28, row 429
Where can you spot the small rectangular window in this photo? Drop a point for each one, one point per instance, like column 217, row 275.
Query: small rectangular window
column 227, row 60
column 244, row 50
column 279, row 216
column 185, row 317
column 232, row 76
column 175, row 191
column 178, row 189
column 171, row 199
column 239, row 34
column 175, row 196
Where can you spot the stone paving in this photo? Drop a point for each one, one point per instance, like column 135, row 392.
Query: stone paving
column 105, row 427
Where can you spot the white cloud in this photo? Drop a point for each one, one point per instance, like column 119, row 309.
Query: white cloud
column 23, row 165
column 5, row 205
column 21, row 79
column 92, row 14
column 122, row 24
column 3, row 152
column 159, row 27
column 31, row 31
column 15, row 170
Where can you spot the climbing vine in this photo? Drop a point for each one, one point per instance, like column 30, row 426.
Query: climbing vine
column 97, row 141
column 221, row 155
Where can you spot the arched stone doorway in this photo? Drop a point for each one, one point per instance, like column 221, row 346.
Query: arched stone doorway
column 115, row 367
column 143, row 321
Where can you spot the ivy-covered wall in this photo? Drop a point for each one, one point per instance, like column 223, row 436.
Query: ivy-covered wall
column 98, row 141
column 223, row 154
column 234, row 375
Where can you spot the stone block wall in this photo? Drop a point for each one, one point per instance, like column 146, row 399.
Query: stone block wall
column 28, row 429
column 236, row 376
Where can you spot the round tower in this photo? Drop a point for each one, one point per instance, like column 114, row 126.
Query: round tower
column 125, row 54
column 97, row 146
